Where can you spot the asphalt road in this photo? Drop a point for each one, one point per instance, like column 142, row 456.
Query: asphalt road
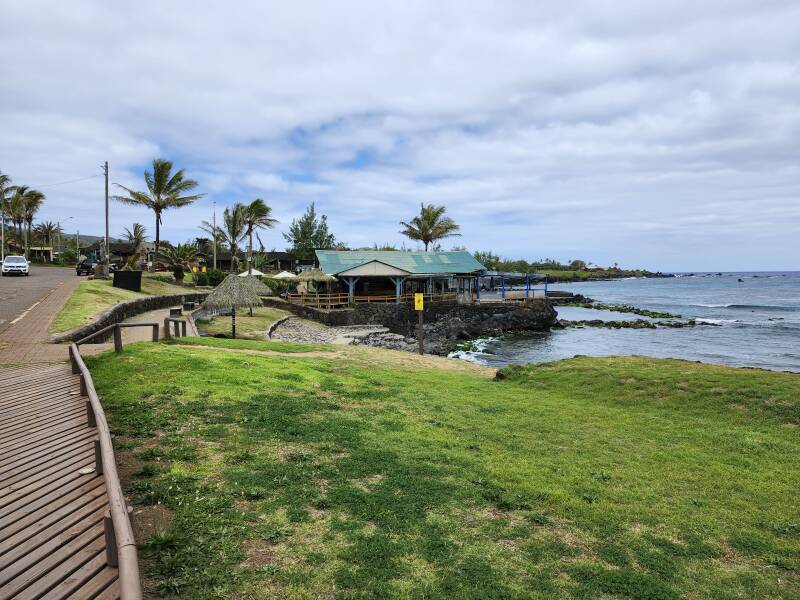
column 18, row 293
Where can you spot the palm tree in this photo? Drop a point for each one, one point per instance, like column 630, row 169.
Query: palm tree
column 6, row 189
column 256, row 216
column 164, row 191
column 233, row 231
column 16, row 211
column 179, row 258
column 47, row 231
column 136, row 237
column 216, row 238
column 33, row 202
column 430, row 225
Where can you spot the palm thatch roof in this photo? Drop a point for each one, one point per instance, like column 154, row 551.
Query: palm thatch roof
column 315, row 275
column 257, row 285
column 233, row 292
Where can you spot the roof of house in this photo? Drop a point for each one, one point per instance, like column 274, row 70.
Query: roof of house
column 332, row 262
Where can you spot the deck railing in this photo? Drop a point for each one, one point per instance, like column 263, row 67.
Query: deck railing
column 339, row 300
column 120, row 541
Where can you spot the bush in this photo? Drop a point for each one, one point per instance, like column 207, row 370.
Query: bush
column 68, row 258
column 215, row 276
column 201, row 278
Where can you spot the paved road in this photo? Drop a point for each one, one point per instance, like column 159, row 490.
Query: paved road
column 19, row 293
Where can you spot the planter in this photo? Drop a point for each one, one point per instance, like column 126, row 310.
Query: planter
column 128, row 280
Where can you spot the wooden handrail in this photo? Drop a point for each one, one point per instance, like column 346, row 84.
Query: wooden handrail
column 116, row 327
column 120, row 542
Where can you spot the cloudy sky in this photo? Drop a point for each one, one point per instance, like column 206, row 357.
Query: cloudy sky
column 663, row 135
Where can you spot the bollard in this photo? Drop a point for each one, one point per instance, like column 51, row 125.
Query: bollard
column 155, row 332
column 98, row 457
column 167, row 333
column 111, row 541
column 117, row 339
column 183, row 328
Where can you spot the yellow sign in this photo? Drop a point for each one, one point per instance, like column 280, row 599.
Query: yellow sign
column 418, row 301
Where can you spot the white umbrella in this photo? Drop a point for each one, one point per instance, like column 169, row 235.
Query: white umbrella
column 284, row 275
column 255, row 273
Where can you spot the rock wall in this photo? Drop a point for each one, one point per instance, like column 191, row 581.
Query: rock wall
column 446, row 323
column 124, row 310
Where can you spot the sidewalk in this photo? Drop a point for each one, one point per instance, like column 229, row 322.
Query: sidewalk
column 26, row 339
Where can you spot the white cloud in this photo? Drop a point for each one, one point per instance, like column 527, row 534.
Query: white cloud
column 609, row 131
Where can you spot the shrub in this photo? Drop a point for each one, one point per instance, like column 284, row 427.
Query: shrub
column 201, row 278
column 215, row 276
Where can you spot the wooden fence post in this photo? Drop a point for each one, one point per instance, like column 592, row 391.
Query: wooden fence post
column 167, row 333
column 90, row 417
column 98, row 457
column 111, row 541
column 155, row 332
column 117, row 339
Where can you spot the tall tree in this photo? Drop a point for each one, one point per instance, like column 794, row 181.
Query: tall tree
column 430, row 225
column 6, row 190
column 16, row 211
column 256, row 216
column 136, row 237
column 46, row 232
column 233, row 231
column 215, row 241
column 309, row 233
column 33, row 202
column 165, row 190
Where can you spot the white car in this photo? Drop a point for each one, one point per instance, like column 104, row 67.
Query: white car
column 16, row 265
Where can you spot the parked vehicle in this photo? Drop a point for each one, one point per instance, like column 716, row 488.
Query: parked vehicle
column 85, row 267
column 16, row 265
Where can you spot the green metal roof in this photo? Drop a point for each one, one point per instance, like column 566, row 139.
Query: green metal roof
column 332, row 262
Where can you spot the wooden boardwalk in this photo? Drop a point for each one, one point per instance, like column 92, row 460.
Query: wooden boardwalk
column 52, row 542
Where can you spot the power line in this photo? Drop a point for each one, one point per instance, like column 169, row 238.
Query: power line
column 66, row 182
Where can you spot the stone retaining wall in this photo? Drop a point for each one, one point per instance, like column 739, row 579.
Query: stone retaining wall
column 125, row 310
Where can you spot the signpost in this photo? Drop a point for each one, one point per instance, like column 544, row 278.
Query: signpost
column 419, row 306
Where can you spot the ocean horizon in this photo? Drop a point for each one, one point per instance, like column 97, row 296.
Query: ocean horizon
column 743, row 319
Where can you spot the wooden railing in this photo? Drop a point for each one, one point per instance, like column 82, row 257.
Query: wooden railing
column 120, row 541
column 338, row 300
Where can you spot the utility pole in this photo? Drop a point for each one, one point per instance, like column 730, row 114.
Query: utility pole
column 106, row 250
column 214, row 235
column 3, row 229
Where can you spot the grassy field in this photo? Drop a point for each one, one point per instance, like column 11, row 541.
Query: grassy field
column 94, row 296
column 247, row 327
column 363, row 473
column 554, row 275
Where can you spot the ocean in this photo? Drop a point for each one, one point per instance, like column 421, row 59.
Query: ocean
column 753, row 321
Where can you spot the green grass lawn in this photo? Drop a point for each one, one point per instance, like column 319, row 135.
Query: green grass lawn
column 372, row 474
column 247, row 327
column 94, row 296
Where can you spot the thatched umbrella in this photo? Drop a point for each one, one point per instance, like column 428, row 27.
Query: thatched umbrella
column 233, row 293
column 257, row 286
column 315, row 275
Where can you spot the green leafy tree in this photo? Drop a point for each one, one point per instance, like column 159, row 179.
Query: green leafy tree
column 488, row 259
column 165, row 190
column 179, row 258
column 257, row 215
column 309, row 233
column 430, row 225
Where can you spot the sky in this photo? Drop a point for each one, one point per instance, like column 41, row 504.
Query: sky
column 660, row 135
